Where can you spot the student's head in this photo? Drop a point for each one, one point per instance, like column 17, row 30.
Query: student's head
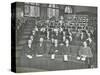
column 52, row 40
column 90, row 40
column 29, row 42
column 41, row 39
column 55, row 29
column 56, row 42
column 61, row 29
column 36, row 29
column 43, row 29
column 85, row 44
column 61, row 17
column 47, row 21
column 33, row 32
column 31, row 37
column 67, row 42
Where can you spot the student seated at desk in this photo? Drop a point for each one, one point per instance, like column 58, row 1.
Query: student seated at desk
column 66, row 50
column 85, row 53
column 54, row 49
column 40, row 47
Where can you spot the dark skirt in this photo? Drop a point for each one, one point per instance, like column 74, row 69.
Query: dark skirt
column 85, row 51
column 53, row 49
column 41, row 49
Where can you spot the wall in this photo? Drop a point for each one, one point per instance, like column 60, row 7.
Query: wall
column 20, row 9
column 85, row 9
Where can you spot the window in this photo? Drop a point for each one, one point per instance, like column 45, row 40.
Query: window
column 68, row 9
column 53, row 10
column 32, row 10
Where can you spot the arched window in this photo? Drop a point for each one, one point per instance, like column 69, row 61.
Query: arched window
column 26, row 9
column 32, row 9
column 68, row 9
column 53, row 10
column 37, row 10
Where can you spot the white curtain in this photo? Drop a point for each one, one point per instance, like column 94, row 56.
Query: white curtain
column 32, row 10
column 52, row 11
column 68, row 9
